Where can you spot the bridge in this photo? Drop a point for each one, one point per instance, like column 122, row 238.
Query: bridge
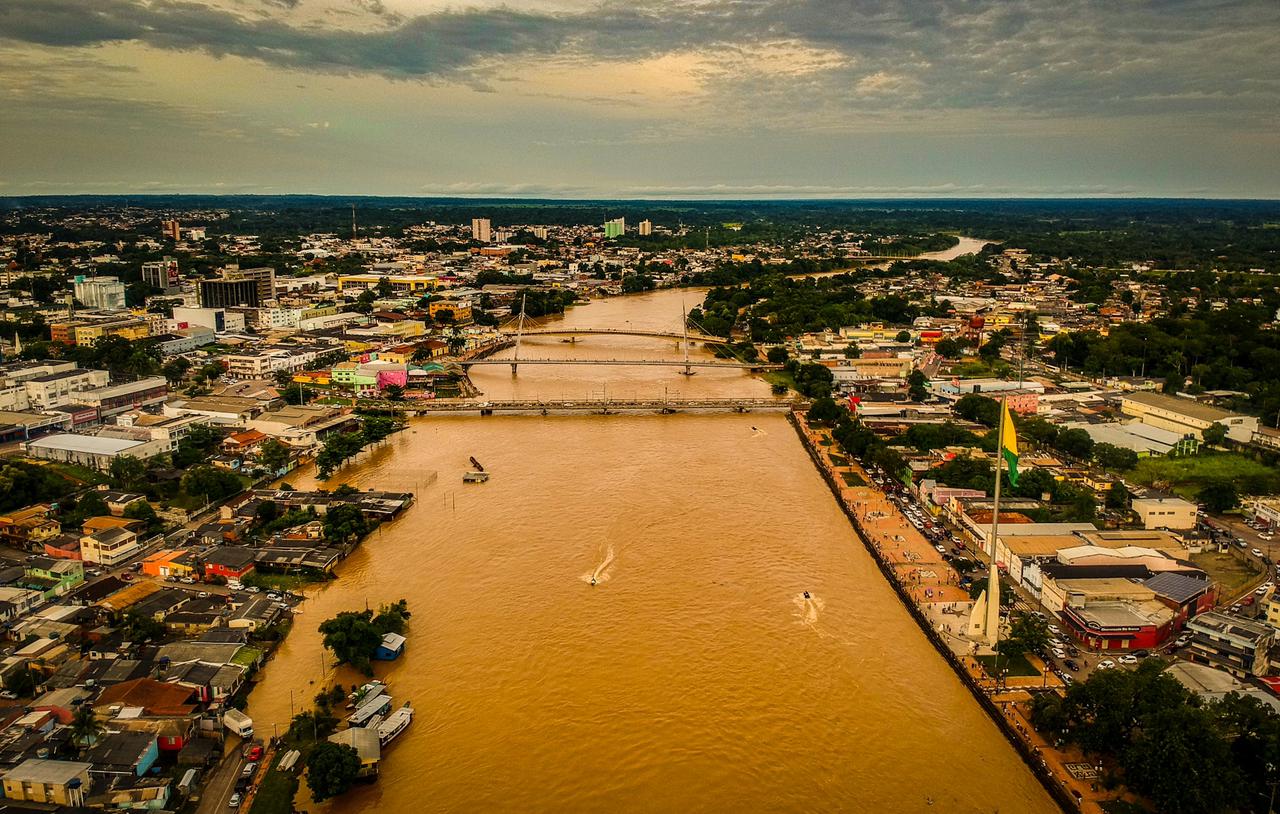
column 598, row 406
column 622, row 362
column 696, row 336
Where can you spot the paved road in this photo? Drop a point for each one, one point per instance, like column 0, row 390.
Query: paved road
column 219, row 787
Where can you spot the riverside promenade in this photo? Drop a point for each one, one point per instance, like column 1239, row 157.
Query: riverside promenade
column 929, row 587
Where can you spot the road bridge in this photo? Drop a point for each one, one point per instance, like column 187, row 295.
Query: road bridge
column 621, row 362
column 597, row 406
column 696, row 336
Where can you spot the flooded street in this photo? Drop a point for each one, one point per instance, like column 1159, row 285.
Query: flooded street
column 694, row 675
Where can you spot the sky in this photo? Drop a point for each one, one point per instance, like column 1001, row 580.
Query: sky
column 642, row 99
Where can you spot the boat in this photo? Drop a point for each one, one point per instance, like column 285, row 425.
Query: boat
column 475, row 477
column 366, row 691
column 394, row 724
column 477, row 464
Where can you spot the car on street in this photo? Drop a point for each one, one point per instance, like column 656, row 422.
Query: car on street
column 1059, row 653
column 234, row 802
column 1255, row 552
column 255, row 752
column 1054, row 629
column 1183, row 640
column 1071, row 664
column 1128, row 658
column 1141, row 654
column 1105, row 664
column 249, row 769
column 203, row 594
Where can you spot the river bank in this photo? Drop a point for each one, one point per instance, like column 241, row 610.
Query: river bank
column 926, row 586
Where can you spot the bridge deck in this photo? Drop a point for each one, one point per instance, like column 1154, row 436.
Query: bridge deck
column 625, row 362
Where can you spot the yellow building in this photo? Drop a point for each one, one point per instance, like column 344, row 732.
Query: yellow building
column 55, row 782
column 400, row 283
column 131, row 329
column 461, row 310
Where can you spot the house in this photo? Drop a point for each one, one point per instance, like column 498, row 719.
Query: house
column 1165, row 513
column 131, row 754
column 228, row 562
column 53, row 577
column 391, row 647
column 54, row 782
column 145, row 705
column 117, row 501
column 169, row 563
column 365, row 741
column 109, row 547
column 28, row 529
column 101, row 522
column 255, row 614
column 240, row 443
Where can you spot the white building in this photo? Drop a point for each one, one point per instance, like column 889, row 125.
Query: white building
column 63, row 387
column 646, row 228
column 100, row 292
column 109, row 547
column 1165, row 513
column 480, row 230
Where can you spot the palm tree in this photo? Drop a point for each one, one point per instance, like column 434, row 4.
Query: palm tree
column 85, row 726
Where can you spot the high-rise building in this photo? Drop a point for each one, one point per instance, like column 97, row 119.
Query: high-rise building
column 171, row 229
column 100, row 292
column 540, row 232
column 615, row 228
column 646, row 228
column 161, row 274
column 503, row 235
column 239, row 287
column 480, row 229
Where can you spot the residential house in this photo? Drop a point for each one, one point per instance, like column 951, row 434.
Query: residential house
column 53, row 782
column 109, row 547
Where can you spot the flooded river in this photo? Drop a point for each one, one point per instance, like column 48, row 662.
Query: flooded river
column 694, row 676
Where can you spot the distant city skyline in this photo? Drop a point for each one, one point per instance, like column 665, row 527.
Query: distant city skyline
column 659, row 99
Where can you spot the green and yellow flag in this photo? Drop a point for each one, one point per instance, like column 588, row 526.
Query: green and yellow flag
column 1009, row 444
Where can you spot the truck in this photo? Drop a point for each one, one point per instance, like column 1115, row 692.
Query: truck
column 236, row 721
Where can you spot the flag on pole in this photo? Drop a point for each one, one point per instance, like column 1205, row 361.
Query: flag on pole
column 1009, row 444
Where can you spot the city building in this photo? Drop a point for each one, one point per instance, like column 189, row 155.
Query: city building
column 1165, row 513
column 99, row 292
column 171, row 229
column 480, row 230
column 1182, row 415
column 1239, row 646
column 161, row 274
column 109, row 547
column 646, row 228
column 130, row 328
column 250, row 288
column 96, row 452
column 615, row 228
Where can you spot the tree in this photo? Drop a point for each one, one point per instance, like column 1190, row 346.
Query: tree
column 852, row 351
column 1180, row 761
column 384, row 287
column 210, row 482
column 813, row 380
column 916, row 386
column 1074, row 442
column 127, row 472
column 138, row 627
column 394, row 392
column 273, row 455
column 903, row 336
column 142, row 510
column 344, row 523
column 175, row 369
column 331, row 769
column 1117, row 497
column 777, row 355
column 978, row 409
column 1219, row 496
column 1027, row 634
column 85, row 725
column 824, row 411
column 1114, row 458
column 1214, row 435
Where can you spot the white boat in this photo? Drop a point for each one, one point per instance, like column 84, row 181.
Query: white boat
column 475, row 477
column 394, row 724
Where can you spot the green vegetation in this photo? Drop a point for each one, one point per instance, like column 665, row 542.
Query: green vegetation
column 1016, row 666
column 1185, row 755
column 1188, row 475
column 22, row 484
column 276, row 792
column 852, row 479
column 354, row 636
column 1234, row 575
column 339, row 447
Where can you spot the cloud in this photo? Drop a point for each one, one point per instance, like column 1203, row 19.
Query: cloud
column 818, row 57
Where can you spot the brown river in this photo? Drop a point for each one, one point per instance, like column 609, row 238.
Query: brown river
column 694, row 676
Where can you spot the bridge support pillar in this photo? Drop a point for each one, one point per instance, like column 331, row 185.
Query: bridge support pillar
column 513, row 369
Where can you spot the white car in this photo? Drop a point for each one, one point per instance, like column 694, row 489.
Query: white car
column 1059, row 653
column 1256, row 552
column 1128, row 659
column 1105, row 664
column 1054, row 629
column 941, row 550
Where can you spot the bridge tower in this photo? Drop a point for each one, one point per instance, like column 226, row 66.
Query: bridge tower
column 519, row 332
column 684, row 322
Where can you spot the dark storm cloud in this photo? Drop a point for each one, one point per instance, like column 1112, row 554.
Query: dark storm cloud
column 1080, row 57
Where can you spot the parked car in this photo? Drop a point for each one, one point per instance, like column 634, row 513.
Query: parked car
column 1256, row 552
column 1059, row 653
column 203, row 594
column 1183, row 640
column 1128, row 658
column 1141, row 654
column 1105, row 664
column 249, row 769
column 255, row 752
column 1071, row 664
column 234, row 802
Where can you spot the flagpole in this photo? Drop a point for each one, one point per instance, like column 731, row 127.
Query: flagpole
column 993, row 575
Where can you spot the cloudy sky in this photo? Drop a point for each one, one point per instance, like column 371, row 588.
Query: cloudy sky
column 650, row 98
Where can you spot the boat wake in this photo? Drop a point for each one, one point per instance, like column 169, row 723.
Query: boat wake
column 756, row 432
column 808, row 608
column 601, row 572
